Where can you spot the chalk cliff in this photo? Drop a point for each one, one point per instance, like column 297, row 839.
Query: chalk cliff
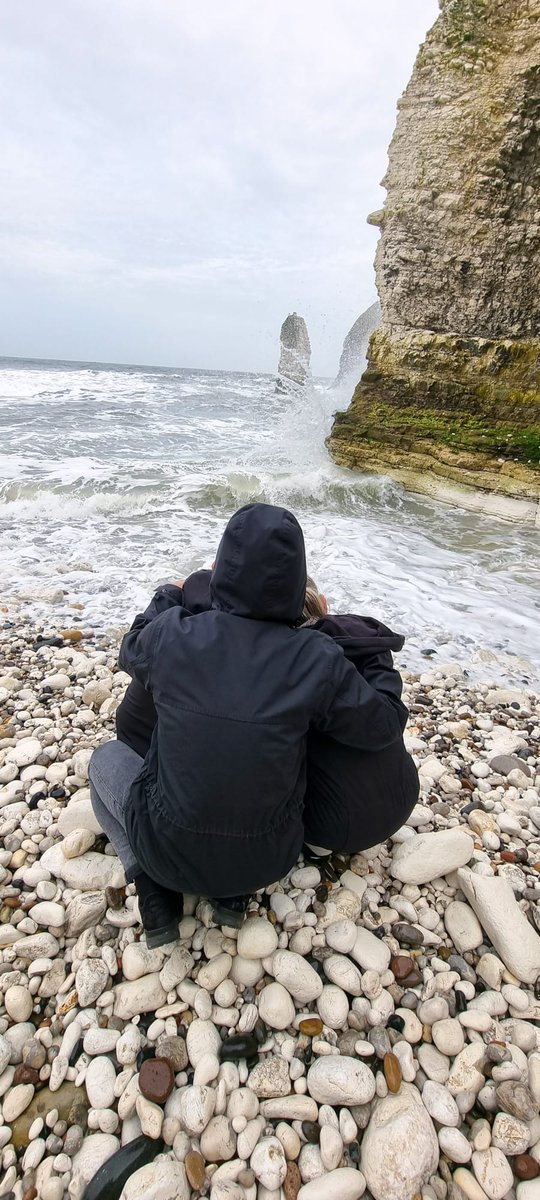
column 295, row 357
column 452, row 387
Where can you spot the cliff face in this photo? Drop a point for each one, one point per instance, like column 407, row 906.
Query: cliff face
column 295, row 357
column 356, row 344
column 453, row 379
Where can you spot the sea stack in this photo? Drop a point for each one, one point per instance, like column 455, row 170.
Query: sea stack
column 451, row 394
column 294, row 369
column 355, row 346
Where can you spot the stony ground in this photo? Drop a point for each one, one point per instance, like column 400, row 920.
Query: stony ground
column 373, row 1032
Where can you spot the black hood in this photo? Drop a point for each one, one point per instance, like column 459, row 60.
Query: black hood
column 260, row 569
column 360, row 636
column 197, row 591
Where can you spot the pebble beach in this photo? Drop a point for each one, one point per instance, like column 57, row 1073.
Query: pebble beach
column 372, row 1030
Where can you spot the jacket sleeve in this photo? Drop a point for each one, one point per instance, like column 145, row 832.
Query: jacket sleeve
column 380, row 672
column 355, row 712
column 138, row 646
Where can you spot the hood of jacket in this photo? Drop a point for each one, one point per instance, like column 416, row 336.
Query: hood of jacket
column 360, row 637
column 260, row 568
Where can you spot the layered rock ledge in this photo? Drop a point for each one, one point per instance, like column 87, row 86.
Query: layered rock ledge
column 451, row 396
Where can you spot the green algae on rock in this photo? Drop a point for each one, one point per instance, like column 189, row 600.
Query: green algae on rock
column 452, row 388
column 65, row 1099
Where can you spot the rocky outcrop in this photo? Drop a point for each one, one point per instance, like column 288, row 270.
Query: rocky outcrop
column 355, row 346
column 294, row 362
column 452, row 388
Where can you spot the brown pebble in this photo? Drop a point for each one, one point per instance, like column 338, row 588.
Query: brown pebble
column 525, row 1166
column 25, row 1074
column 71, row 635
column 156, row 1079
column 401, row 966
column 412, row 980
column 32, row 1193
column 508, row 856
column 115, row 897
column 392, row 1072
column 292, row 1183
column 195, row 1169
column 312, row 1026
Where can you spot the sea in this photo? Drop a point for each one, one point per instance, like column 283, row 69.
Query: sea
column 114, row 479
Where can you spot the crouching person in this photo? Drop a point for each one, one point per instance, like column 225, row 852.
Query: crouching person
column 216, row 806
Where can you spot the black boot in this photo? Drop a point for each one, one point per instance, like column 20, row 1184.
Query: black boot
column 177, row 901
column 159, row 913
column 230, row 910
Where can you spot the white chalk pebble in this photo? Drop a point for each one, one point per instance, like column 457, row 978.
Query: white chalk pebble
column 17, row 1100
column 33, row 1154
column 440, row 1104
column 454, row 1144
column 19, row 1002
column 331, row 1147
column 289, row 1140
column 100, row 1081
column 347, row 1126
column 276, row 1006
column 128, row 1045
column 207, row 1069
column 343, row 1184
column 404, row 1054
column 52, row 1189
column 257, row 939
column 493, row 1172
column 448, row 1036
column 268, row 1163
column 150, row 1115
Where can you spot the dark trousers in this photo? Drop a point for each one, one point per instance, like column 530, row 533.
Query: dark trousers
column 356, row 798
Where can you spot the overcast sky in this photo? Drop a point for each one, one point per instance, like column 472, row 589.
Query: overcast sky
column 175, row 177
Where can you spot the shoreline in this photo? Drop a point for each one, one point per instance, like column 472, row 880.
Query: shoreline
column 378, row 1001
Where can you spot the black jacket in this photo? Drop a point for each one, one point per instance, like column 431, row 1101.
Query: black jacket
column 217, row 808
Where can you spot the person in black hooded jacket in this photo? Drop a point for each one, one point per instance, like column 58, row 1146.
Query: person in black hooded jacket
column 216, row 806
